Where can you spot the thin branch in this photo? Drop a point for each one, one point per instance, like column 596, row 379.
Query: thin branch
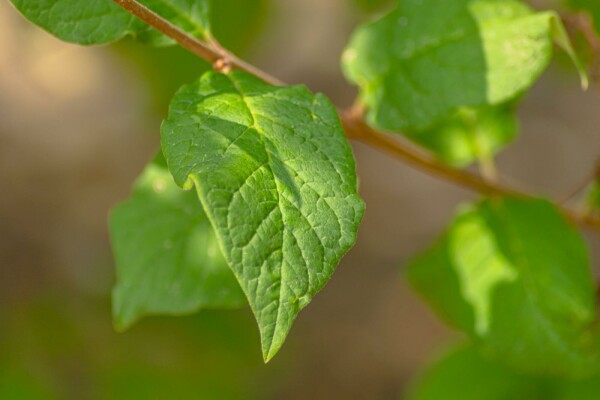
column 358, row 130
column 212, row 53
column 352, row 121
column 583, row 184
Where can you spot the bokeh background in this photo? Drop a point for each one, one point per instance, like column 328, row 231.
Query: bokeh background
column 78, row 124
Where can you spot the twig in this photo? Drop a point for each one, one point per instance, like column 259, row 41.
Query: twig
column 211, row 53
column 357, row 129
column 583, row 184
column 352, row 121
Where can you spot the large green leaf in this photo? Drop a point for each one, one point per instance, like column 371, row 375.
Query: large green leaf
column 168, row 258
column 277, row 179
column 515, row 276
column 102, row 21
column 427, row 57
column 469, row 134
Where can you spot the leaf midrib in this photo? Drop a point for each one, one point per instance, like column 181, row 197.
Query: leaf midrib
column 269, row 165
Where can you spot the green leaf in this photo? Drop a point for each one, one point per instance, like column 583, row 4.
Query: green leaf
column 167, row 255
column 192, row 16
column 236, row 24
column 102, row 21
column 78, row 21
column 515, row 276
column 469, row 134
column 428, row 57
column 466, row 375
column 463, row 374
column 277, row 179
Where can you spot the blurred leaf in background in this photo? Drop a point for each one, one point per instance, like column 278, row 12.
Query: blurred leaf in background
column 167, row 255
column 464, row 374
column 236, row 24
column 470, row 134
column 515, row 276
column 53, row 348
column 16, row 383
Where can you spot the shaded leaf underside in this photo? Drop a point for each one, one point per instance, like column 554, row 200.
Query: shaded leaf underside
column 167, row 255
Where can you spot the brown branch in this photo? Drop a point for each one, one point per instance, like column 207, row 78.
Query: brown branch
column 352, row 121
column 213, row 53
column 357, row 129
column 583, row 184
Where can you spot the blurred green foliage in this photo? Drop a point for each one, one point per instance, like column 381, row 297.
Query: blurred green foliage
column 168, row 264
column 514, row 275
column 236, row 24
column 464, row 374
column 470, row 134
column 592, row 7
column 54, row 348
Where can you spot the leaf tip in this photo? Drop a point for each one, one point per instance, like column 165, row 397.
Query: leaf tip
column 269, row 349
column 268, row 357
column 120, row 325
column 585, row 80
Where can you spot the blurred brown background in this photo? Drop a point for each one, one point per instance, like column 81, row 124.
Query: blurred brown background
column 78, row 124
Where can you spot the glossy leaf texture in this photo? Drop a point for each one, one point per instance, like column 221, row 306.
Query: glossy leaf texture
column 469, row 134
column 167, row 254
column 464, row 374
column 426, row 58
column 277, row 179
column 515, row 276
column 90, row 22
